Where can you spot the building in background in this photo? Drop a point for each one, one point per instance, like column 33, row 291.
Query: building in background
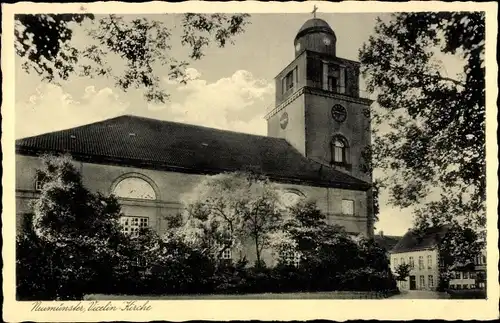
column 470, row 276
column 317, row 133
column 421, row 252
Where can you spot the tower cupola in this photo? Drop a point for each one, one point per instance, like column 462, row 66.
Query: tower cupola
column 317, row 36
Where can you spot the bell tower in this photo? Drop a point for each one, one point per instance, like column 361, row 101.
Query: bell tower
column 318, row 109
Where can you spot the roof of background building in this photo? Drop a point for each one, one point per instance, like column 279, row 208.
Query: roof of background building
column 150, row 143
column 386, row 242
column 412, row 241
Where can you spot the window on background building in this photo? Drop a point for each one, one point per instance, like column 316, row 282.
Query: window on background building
column 429, row 262
column 483, row 259
column 421, row 262
column 452, row 286
column 340, row 150
column 347, row 207
column 412, row 263
column 133, row 224
column 472, row 275
column 402, row 261
column 466, row 275
column 422, row 281
column 431, row 280
column 134, row 188
column 457, row 275
column 395, row 263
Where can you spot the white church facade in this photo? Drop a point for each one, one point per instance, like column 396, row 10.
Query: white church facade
column 317, row 133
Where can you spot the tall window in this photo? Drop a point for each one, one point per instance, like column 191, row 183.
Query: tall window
column 289, row 80
column 347, row 207
column 335, row 78
column 395, row 263
column 133, row 224
column 431, row 280
column 466, row 275
column 420, row 262
column 402, row 261
column 412, row 263
column 422, row 281
column 340, row 150
column 429, row 262
column 134, row 188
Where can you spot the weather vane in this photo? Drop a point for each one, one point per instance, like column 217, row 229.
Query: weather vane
column 314, row 11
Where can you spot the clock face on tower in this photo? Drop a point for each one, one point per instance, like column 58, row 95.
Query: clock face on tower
column 339, row 113
column 284, row 120
column 326, row 41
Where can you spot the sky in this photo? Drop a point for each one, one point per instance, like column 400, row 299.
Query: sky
column 232, row 87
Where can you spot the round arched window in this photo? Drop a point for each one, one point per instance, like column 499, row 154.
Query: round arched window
column 134, row 188
column 290, row 197
column 340, row 150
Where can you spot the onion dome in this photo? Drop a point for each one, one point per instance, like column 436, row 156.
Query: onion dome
column 315, row 35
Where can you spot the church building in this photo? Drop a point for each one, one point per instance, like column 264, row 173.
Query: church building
column 317, row 132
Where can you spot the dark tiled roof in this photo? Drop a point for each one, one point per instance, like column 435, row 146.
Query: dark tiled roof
column 386, row 242
column 412, row 241
column 144, row 142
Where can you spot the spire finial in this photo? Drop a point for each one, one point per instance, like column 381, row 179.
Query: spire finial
column 314, row 11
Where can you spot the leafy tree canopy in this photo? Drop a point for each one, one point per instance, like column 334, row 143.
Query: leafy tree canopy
column 73, row 237
column 225, row 210
column 402, row 272
column 45, row 41
column 434, row 144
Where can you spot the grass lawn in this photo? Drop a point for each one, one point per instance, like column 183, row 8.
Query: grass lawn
column 315, row 295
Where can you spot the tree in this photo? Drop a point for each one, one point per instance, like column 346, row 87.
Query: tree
column 225, row 210
column 429, row 127
column 402, row 272
column 318, row 243
column 373, row 255
column 457, row 251
column 44, row 42
column 76, row 230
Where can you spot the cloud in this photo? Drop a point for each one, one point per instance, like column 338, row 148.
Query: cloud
column 235, row 103
column 52, row 109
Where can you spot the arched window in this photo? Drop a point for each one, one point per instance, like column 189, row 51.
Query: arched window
column 134, row 188
column 340, row 150
column 290, row 197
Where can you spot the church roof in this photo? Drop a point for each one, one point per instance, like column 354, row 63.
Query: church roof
column 150, row 143
column 413, row 241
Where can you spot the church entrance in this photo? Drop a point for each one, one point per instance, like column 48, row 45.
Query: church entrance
column 413, row 283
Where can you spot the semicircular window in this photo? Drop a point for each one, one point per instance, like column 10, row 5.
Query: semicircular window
column 134, row 188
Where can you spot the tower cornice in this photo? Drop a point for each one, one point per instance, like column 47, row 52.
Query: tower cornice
column 316, row 91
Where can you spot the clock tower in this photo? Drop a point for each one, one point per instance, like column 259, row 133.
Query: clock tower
column 318, row 109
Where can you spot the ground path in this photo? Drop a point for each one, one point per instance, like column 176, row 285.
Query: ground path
column 420, row 294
